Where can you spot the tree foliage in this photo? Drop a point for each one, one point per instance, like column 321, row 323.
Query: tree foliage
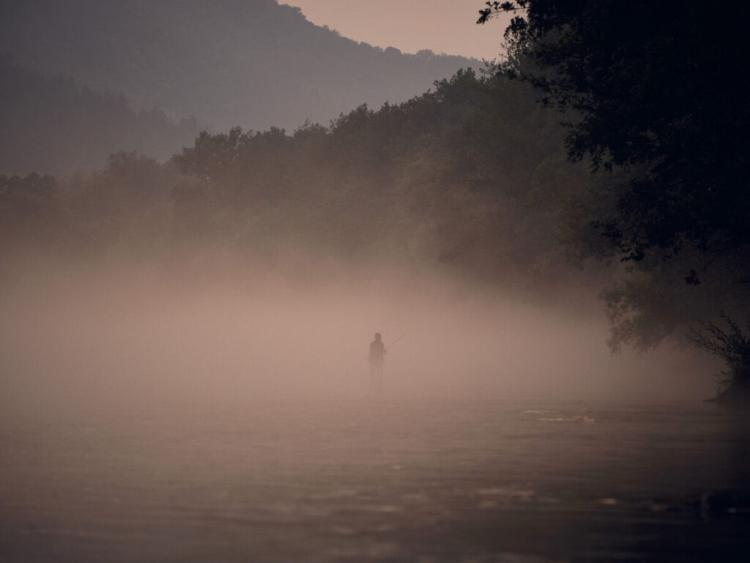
column 730, row 342
column 654, row 95
column 429, row 181
column 654, row 87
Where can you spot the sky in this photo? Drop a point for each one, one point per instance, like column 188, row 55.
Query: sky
column 444, row 26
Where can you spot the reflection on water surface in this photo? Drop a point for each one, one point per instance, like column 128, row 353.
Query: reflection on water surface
column 462, row 481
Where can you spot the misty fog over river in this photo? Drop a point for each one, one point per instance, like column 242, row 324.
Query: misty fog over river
column 217, row 421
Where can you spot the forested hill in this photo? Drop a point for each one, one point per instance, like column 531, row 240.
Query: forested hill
column 52, row 124
column 252, row 63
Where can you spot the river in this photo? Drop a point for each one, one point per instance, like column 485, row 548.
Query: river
column 477, row 480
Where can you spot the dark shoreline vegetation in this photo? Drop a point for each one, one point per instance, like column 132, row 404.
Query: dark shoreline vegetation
column 477, row 177
column 656, row 104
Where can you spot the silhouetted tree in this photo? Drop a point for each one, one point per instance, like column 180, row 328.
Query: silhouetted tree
column 656, row 88
column 654, row 96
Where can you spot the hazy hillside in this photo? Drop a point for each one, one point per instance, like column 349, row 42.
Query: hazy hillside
column 54, row 125
column 228, row 62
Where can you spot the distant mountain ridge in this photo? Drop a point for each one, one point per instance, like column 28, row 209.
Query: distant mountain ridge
column 53, row 125
column 253, row 63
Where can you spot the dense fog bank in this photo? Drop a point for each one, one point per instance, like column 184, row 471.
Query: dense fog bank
column 136, row 336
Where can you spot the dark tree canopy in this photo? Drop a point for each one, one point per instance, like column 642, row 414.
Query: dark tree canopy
column 654, row 87
column 655, row 96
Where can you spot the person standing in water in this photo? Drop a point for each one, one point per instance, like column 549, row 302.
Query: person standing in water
column 377, row 359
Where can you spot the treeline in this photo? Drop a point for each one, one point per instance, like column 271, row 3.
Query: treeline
column 53, row 125
column 470, row 176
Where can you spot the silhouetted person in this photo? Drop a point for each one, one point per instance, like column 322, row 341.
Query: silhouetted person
column 377, row 359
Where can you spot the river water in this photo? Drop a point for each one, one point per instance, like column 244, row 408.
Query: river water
column 389, row 480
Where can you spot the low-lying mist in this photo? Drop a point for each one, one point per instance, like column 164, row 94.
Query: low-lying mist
column 139, row 334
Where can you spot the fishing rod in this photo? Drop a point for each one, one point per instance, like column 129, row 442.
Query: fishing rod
column 392, row 344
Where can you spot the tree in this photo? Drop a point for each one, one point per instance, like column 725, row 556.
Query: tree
column 653, row 94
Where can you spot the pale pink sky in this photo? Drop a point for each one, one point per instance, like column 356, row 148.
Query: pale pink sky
column 410, row 25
